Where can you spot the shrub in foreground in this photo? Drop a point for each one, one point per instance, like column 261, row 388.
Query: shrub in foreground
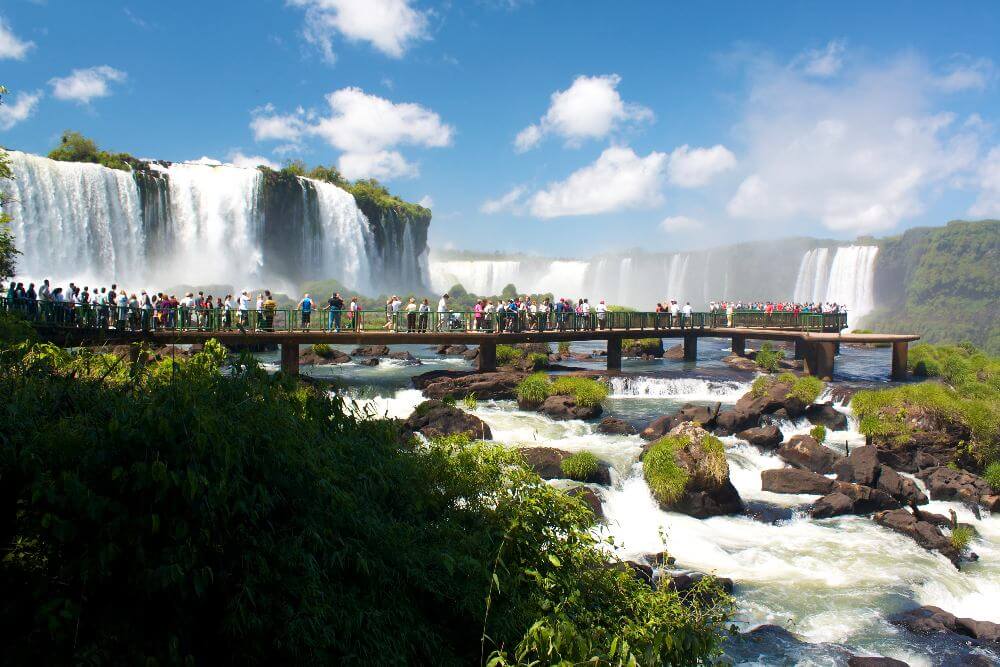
column 171, row 513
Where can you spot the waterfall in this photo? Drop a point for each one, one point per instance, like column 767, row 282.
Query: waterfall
column 483, row 277
column 852, row 279
column 196, row 224
column 810, row 284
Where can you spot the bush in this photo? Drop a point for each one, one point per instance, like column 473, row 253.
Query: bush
column 806, row 388
column 240, row 533
column 322, row 350
column 586, row 392
column 470, row 401
column 992, row 475
column 643, row 346
column 818, row 432
column 563, row 347
column 507, row 355
column 538, row 361
column 666, row 479
column 534, row 389
column 74, row 147
column 961, row 536
column 580, row 466
column 768, row 358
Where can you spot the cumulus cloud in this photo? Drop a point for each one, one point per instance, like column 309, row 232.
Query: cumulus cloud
column 508, row 202
column 367, row 129
column 591, row 108
column 83, row 85
column 822, row 62
column 24, row 104
column 964, row 74
column 391, row 26
column 856, row 153
column 987, row 204
column 618, row 179
column 679, row 223
column 12, row 46
column 240, row 159
column 694, row 167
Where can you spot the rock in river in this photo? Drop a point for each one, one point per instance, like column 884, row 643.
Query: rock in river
column 434, row 418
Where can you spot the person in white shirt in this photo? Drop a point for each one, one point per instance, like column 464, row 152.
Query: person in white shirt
column 687, row 310
column 602, row 312
column 244, row 307
column 442, row 312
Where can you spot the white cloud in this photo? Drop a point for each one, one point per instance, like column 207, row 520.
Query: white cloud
column 987, row 204
column 426, row 201
column 21, row 109
column 240, row 159
column 822, row 62
column 83, row 85
column 618, row 179
column 966, row 75
column 679, row 223
column 391, row 26
column 856, row 154
column 12, row 46
column 508, row 202
column 694, row 167
column 589, row 109
column 367, row 129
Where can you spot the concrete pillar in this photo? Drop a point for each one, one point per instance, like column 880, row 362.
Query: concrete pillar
column 690, row 348
column 819, row 359
column 740, row 345
column 800, row 348
column 290, row 359
column 836, row 348
column 900, row 350
column 487, row 357
column 614, row 354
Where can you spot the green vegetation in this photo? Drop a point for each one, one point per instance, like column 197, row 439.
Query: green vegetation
column 643, row 346
column 767, row 358
column 806, row 388
column 534, row 389
column 563, row 347
column 665, row 477
column 579, row 466
column 322, row 350
column 942, row 283
column 508, row 354
column 74, row 147
column 372, row 194
column 8, row 252
column 171, row 512
column 470, row 401
column 992, row 475
column 586, row 392
column 961, row 536
column 818, row 433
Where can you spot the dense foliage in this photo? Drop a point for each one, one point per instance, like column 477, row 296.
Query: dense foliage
column 579, row 466
column 586, row 392
column 768, row 358
column 942, row 283
column 170, row 512
column 665, row 477
column 818, row 433
column 806, row 388
column 74, row 147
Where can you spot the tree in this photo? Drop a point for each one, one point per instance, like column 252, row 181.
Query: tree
column 8, row 252
column 294, row 168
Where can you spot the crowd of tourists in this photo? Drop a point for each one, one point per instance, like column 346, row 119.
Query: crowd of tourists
column 513, row 315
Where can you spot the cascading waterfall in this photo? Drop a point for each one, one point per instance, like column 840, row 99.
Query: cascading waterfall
column 852, row 279
column 199, row 224
column 479, row 277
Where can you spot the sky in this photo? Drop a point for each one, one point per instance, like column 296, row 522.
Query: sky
column 557, row 127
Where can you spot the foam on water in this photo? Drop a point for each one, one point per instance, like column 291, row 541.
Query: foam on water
column 678, row 389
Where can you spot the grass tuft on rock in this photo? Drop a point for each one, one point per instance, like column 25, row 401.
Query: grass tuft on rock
column 961, row 537
column 665, row 477
column 587, row 392
column 580, row 466
column 535, row 388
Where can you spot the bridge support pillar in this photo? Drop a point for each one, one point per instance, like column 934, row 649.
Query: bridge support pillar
column 487, row 357
column 819, row 359
column 614, row 354
column 900, row 351
column 290, row 359
column 690, row 348
column 800, row 348
column 739, row 346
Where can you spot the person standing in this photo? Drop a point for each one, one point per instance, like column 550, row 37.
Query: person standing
column 306, row 306
column 411, row 315
column 268, row 307
column 602, row 314
column 244, row 307
column 336, row 306
column 354, row 311
column 442, row 311
column 425, row 312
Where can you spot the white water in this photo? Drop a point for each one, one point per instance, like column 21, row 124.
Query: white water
column 849, row 280
column 346, row 241
column 678, row 389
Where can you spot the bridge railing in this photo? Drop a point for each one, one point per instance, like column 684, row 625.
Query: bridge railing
column 126, row 318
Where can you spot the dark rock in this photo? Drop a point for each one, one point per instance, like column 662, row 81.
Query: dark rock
column 565, row 407
column 765, row 437
column 861, row 467
column 371, row 351
column 641, row 571
column 589, row 496
column 547, row 463
column 873, row 661
column 925, row 533
column 657, row 428
column 699, row 414
column 708, row 493
column 933, row 440
column 824, row 414
column 802, row 451
column 773, row 645
column 404, row 356
column 766, row 512
column 834, row 504
column 901, row 488
column 635, row 349
column 615, row 426
column 675, row 353
column 310, row 358
column 486, row 386
column 774, row 399
column 434, row 418
column 452, row 350
column 739, row 363
column 368, row 361
column 863, row 500
column 684, row 582
column 736, row 420
column 928, row 620
column 471, row 354
column 948, row 484
column 794, row 480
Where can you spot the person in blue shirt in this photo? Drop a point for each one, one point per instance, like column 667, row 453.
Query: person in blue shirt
column 306, row 305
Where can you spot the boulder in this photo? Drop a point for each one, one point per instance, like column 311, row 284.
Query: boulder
column 310, row 358
column 615, row 426
column 736, row 420
column 590, row 497
column 925, row 533
column 834, row 504
column 824, row 414
column 901, row 488
column 700, row 414
column 736, row 362
column 452, row 350
column 486, row 386
column 932, row 440
column 434, row 418
column 802, row 451
column 794, row 480
column 635, row 349
column 370, row 351
column 565, row 407
column 675, row 353
column 929, row 620
column 874, row 661
column 709, row 491
column 775, row 398
column 367, row 361
column 657, row 428
column 864, row 500
column 471, row 354
column 861, row 467
column 945, row 483
column 404, row 356
column 765, row 437
column 683, row 582
column 774, row 645
column 763, row 512
column 547, row 463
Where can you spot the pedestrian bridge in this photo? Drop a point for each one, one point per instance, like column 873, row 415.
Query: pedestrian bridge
column 816, row 336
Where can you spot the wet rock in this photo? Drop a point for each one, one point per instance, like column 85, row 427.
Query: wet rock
column 766, row 512
column 775, row 398
column 932, row 440
column 928, row 620
column 657, row 428
column 471, row 354
column 794, row 480
column 949, row 484
column 834, row 504
column 736, row 420
column 773, row 645
column 765, row 437
column 452, row 350
column 699, row 414
column 685, row 582
column 547, row 464
column 707, row 493
column 925, row 533
column 874, row 661
column 310, row 358
column 565, row 407
column 824, row 414
column 675, row 353
column 802, row 451
column 434, row 418
column 589, row 496
column 739, row 363
column 901, row 488
column 861, row 467
column 615, row 426
column 636, row 349
column 368, row 361
column 864, row 500
column 370, row 351
column 404, row 356
column 486, row 386
column 841, row 394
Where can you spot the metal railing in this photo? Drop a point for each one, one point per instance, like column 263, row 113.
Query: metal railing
column 128, row 318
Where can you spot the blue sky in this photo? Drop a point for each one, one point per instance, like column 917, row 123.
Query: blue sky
column 557, row 127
